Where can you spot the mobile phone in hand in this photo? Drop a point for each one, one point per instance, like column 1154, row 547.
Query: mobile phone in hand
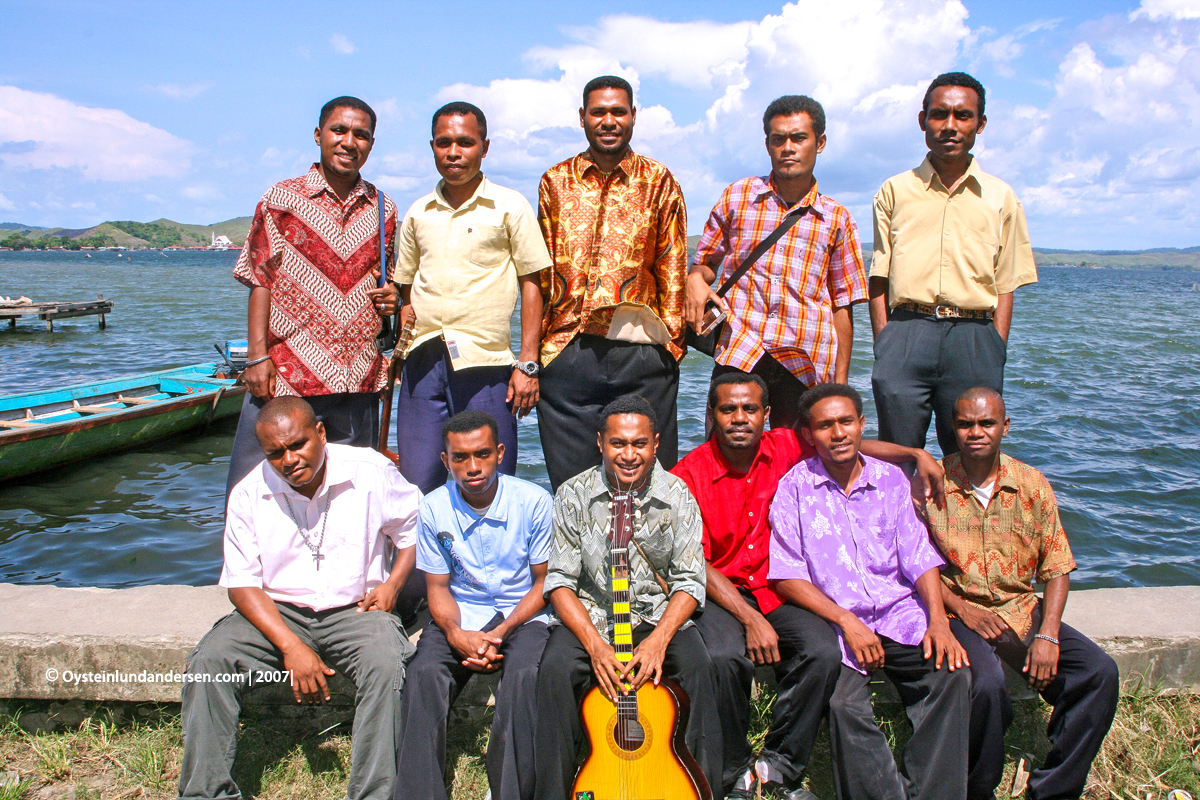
column 713, row 316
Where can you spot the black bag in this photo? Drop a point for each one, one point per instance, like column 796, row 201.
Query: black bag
column 385, row 340
column 707, row 343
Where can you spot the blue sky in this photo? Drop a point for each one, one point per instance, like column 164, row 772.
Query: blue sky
column 141, row 110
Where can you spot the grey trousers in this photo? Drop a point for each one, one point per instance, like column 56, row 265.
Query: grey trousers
column 922, row 365
column 348, row 419
column 368, row 648
column 807, row 673
column 435, row 678
column 937, row 702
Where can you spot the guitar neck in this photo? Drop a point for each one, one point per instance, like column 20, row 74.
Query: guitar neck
column 620, row 534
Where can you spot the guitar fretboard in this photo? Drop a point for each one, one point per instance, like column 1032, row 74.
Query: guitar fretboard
column 620, row 533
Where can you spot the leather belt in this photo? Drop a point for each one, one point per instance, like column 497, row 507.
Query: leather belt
column 944, row 312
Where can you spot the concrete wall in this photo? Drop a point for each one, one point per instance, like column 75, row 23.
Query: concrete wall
column 113, row 636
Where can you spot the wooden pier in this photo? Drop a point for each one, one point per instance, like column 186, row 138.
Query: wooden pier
column 52, row 311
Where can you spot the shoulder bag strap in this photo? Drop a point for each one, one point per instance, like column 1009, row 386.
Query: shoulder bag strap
column 766, row 244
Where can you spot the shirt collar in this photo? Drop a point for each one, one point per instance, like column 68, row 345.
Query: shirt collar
column 482, row 192
column 973, row 178
column 584, row 164
column 315, row 182
column 497, row 511
column 599, row 486
column 867, row 479
column 956, row 475
column 336, row 473
column 765, row 187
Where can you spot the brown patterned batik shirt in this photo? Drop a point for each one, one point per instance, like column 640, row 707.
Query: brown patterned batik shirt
column 995, row 554
column 615, row 239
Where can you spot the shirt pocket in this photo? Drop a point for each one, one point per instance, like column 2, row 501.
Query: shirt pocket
column 981, row 248
column 487, row 245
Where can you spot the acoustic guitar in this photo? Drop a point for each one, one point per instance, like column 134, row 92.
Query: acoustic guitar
column 638, row 752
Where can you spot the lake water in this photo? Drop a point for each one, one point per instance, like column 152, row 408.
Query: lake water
column 1102, row 383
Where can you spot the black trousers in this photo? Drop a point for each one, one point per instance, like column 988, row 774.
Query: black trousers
column 807, row 672
column 922, row 365
column 348, row 419
column 783, row 389
column 935, row 758
column 434, row 679
column 1084, row 695
column 566, row 675
column 590, row 372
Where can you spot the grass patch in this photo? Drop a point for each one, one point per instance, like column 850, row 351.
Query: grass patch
column 132, row 751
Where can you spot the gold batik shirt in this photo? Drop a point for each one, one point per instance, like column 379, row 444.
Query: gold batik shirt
column 618, row 243
column 995, row 554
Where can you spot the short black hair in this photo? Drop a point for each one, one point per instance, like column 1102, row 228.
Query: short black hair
column 460, row 109
column 791, row 104
column 467, row 421
column 284, row 407
column 346, row 102
column 629, row 404
column 954, row 79
column 726, row 378
column 823, row 390
column 607, row 82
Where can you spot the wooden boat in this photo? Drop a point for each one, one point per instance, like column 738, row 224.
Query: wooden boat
column 39, row 430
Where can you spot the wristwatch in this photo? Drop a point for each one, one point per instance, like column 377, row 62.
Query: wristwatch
column 530, row 368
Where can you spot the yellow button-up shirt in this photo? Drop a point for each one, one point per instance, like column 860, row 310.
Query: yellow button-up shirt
column 463, row 265
column 959, row 246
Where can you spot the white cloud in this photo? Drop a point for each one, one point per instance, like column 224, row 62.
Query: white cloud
column 45, row 132
column 178, row 91
column 1003, row 50
column 1177, row 9
column 341, row 44
column 6, row 204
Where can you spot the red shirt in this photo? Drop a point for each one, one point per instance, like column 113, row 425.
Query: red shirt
column 734, row 506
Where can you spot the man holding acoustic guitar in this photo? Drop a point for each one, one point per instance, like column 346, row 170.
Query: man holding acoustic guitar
column 626, row 572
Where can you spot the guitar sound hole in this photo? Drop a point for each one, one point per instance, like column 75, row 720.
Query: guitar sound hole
column 629, row 734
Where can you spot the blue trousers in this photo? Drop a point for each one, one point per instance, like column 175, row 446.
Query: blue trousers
column 430, row 392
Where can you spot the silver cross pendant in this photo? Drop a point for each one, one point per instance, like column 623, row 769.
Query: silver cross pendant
column 317, row 559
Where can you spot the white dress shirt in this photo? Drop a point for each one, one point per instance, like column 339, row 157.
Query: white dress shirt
column 368, row 504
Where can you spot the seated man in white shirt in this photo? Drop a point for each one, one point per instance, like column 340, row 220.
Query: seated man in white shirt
column 300, row 584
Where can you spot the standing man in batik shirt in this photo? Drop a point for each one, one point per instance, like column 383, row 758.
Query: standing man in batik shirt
column 951, row 247
column 846, row 544
column 1000, row 531
column 789, row 316
column 464, row 253
column 311, row 261
column 616, row 227
column 666, row 584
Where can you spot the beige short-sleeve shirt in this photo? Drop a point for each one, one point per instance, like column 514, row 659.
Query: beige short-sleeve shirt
column 463, row 265
column 959, row 246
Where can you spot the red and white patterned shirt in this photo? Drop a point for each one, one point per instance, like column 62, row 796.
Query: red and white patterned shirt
column 316, row 253
column 784, row 304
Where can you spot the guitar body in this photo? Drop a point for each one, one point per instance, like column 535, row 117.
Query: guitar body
column 647, row 764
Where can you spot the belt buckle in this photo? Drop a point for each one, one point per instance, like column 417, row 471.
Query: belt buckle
column 950, row 312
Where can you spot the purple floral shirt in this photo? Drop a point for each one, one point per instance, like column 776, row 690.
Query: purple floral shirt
column 864, row 550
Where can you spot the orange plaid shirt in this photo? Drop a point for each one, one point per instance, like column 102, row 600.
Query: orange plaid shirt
column 994, row 555
column 784, row 304
column 613, row 239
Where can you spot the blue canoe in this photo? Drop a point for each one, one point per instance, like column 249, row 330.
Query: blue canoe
column 40, row 430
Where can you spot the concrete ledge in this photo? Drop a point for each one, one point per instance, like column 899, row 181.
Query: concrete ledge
column 113, row 636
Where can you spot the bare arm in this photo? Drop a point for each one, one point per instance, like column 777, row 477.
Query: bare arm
column 530, row 605
column 987, row 624
column 305, row 667
column 861, row 640
column 843, row 325
column 929, row 481
column 877, row 291
column 522, row 389
column 938, row 640
column 1041, row 663
column 1003, row 316
column 259, row 379
column 762, row 643
column 383, row 596
column 471, row 646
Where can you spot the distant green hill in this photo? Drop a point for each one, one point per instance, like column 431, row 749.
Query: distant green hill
column 127, row 233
